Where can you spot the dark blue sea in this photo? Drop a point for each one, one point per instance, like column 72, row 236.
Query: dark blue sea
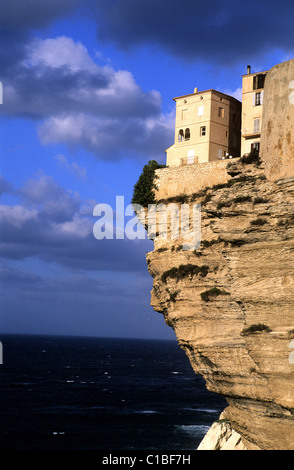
column 77, row 393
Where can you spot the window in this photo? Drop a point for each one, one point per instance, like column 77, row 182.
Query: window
column 221, row 112
column 181, row 135
column 202, row 131
column 258, row 81
column 257, row 99
column 187, row 134
column 256, row 125
column 184, row 114
column 255, row 146
column 220, row 154
column 200, row 110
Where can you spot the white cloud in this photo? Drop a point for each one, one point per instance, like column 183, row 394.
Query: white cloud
column 72, row 167
column 17, row 215
column 78, row 227
column 81, row 103
column 53, row 224
column 235, row 93
column 59, row 52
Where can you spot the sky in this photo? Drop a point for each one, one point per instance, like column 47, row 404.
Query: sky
column 88, row 88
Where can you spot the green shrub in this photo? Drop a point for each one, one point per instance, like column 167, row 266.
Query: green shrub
column 256, row 328
column 242, row 199
column 207, row 243
column 222, row 204
column 237, row 242
column 200, row 193
column 143, row 193
column 214, row 292
column 160, row 250
column 184, row 270
column 180, row 199
column 258, row 221
column 259, row 200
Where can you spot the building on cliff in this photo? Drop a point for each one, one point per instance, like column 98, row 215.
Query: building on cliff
column 211, row 125
column 207, row 128
column 252, row 108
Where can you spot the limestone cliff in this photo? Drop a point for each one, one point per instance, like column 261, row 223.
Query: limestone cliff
column 230, row 302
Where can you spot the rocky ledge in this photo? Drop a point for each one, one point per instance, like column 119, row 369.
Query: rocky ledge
column 230, row 302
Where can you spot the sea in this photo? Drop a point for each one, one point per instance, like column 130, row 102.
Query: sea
column 87, row 393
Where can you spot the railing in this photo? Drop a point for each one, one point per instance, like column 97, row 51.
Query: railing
column 251, row 133
column 189, row 160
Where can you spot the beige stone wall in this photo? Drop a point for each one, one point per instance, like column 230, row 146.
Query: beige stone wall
column 277, row 140
column 190, row 179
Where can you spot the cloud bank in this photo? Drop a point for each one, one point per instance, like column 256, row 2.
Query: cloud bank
column 225, row 32
column 82, row 104
column 56, row 225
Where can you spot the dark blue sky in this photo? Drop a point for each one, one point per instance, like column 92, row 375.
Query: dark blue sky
column 88, row 88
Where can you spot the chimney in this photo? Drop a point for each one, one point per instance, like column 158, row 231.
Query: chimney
column 248, row 69
column 195, row 90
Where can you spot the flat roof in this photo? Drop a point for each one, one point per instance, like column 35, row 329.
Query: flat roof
column 255, row 73
column 206, row 91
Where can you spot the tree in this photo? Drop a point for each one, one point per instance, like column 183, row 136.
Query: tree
column 143, row 193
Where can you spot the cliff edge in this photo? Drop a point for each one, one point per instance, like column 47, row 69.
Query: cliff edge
column 230, row 302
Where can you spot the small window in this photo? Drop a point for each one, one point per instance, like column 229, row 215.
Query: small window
column 256, row 125
column 257, row 99
column 200, row 110
column 184, row 114
column 202, row 131
column 258, row 81
column 255, row 146
column 220, row 154
column 181, row 135
column 221, row 112
column 187, row 134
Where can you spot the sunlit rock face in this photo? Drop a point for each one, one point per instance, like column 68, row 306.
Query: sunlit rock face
column 230, row 302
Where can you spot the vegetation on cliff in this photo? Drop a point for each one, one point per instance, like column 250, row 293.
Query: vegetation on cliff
column 187, row 270
column 143, row 193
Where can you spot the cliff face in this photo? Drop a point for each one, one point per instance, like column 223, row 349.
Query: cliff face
column 233, row 313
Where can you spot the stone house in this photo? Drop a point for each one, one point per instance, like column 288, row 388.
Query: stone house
column 252, row 109
column 211, row 125
column 207, row 128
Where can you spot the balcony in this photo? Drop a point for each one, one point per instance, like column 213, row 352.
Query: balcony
column 250, row 134
column 189, row 160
